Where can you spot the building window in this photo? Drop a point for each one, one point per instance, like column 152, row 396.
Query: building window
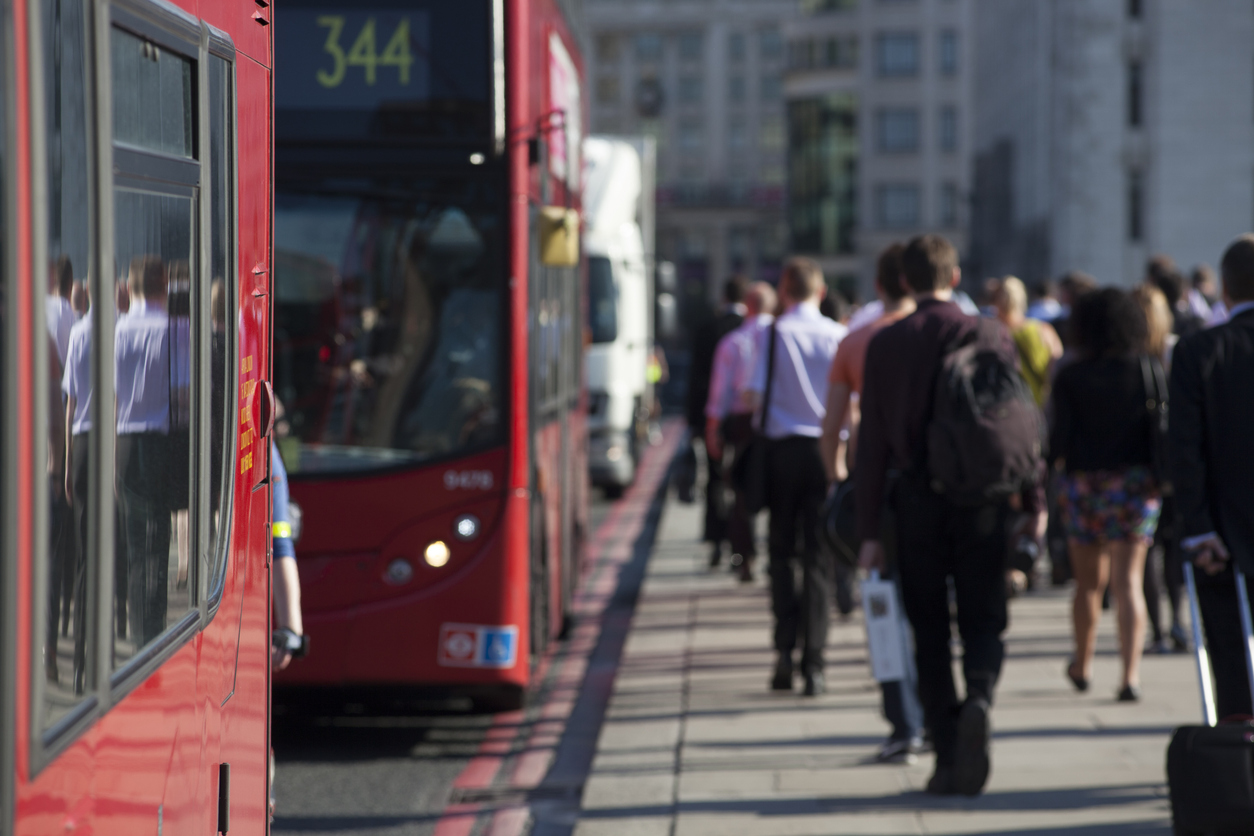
column 690, row 46
column 608, row 90
column 813, row 6
column 841, row 53
column 1134, row 94
column 648, row 47
column 770, row 44
column 897, row 205
column 897, row 130
column 948, row 128
column 801, row 55
column 736, row 46
column 822, row 173
column 737, row 134
column 948, row 209
column 691, row 89
column 948, row 52
column 691, row 135
column 609, row 49
column 772, row 88
column 1136, row 205
column 771, row 135
column 897, row 54
column 736, row 89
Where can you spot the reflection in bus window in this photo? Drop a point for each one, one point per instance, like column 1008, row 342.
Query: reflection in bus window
column 66, row 390
column 152, row 375
column 389, row 330
column 602, row 300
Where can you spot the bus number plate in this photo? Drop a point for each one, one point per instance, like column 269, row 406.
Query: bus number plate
column 468, row 480
column 478, row 646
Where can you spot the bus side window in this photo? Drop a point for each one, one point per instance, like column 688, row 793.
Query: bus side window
column 66, row 384
column 156, row 253
column 222, row 305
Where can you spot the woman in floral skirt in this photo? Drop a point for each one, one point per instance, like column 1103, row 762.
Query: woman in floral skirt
column 1107, row 412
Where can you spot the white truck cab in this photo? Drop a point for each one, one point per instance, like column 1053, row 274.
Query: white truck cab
column 618, row 311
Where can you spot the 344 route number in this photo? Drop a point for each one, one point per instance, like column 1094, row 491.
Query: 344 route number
column 364, row 52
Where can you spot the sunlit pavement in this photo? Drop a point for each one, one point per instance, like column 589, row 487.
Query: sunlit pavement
column 693, row 742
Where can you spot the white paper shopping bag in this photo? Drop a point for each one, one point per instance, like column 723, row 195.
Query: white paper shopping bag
column 885, row 630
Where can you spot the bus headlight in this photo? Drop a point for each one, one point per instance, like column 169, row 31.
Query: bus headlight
column 399, row 572
column 466, row 526
column 437, row 554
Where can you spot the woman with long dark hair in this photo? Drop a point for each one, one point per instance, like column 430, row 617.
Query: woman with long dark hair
column 1106, row 408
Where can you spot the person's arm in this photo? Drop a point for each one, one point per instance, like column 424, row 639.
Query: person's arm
column 833, row 421
column 873, row 454
column 751, row 397
column 1052, row 341
column 716, row 403
column 1187, row 458
column 285, row 581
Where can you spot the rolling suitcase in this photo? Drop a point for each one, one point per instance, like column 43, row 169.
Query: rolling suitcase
column 1210, row 768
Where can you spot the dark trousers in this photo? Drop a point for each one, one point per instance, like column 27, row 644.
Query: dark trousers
column 737, row 433
column 79, row 486
column 60, row 566
column 796, row 484
column 1225, row 642
column 144, row 521
column 938, row 542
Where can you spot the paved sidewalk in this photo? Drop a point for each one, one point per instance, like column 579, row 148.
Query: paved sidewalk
column 693, row 742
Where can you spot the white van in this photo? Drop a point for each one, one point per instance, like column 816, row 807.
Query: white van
column 618, row 311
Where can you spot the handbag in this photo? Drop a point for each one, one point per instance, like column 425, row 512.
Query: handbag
column 750, row 469
column 887, row 640
column 1156, row 407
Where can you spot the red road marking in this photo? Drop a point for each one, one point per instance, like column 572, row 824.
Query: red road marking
column 609, row 549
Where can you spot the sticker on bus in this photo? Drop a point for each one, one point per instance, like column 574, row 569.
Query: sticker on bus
column 468, row 480
column 478, row 646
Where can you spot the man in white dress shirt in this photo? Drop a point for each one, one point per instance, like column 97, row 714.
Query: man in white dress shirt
column 141, row 371
column 790, row 385
column 726, row 423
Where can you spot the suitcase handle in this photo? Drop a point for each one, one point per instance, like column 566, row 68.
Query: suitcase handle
column 1202, row 658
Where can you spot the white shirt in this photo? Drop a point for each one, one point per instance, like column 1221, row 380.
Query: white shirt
column 141, row 369
column 1045, row 309
column 806, row 342
column 76, row 381
column 733, row 365
column 60, row 318
column 867, row 314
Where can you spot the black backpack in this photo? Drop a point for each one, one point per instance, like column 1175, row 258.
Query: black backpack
column 986, row 432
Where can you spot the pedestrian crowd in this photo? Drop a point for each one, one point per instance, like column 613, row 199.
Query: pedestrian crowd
column 1077, row 434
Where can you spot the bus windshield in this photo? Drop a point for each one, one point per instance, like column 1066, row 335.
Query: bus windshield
column 389, row 320
column 602, row 300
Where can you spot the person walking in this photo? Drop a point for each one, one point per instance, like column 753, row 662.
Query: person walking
column 1104, row 438
column 789, row 384
column 900, row 697
column 1164, row 562
column 704, row 343
column 939, row 540
column 1037, row 342
column 727, row 425
column 1211, row 448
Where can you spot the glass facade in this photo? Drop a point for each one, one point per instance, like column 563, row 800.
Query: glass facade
column 822, row 173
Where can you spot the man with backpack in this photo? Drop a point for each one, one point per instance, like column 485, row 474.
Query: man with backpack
column 946, row 413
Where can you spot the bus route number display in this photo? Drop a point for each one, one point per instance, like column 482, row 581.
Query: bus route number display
column 353, row 60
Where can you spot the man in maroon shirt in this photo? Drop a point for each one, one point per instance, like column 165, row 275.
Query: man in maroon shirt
column 938, row 540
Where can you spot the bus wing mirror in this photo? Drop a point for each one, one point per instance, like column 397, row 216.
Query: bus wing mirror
column 559, row 237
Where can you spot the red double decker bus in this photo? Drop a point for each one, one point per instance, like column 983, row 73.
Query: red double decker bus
column 428, row 335
column 135, row 168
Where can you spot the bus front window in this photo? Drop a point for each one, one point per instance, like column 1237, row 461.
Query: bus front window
column 389, row 326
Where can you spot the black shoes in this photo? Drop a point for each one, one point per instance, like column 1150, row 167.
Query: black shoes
column 941, row 782
column 716, row 556
column 971, row 760
column 782, row 679
column 1130, row 693
column 1081, row 684
column 815, row 684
